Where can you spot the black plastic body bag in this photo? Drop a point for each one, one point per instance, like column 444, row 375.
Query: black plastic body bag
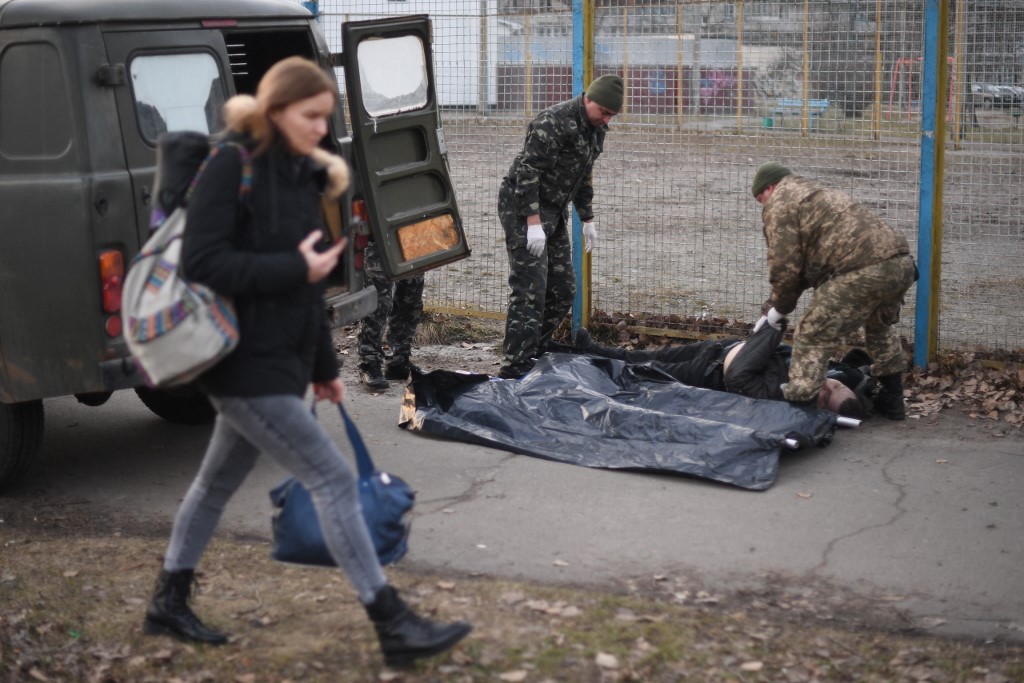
column 599, row 412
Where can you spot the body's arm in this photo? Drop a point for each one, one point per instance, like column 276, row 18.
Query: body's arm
column 753, row 371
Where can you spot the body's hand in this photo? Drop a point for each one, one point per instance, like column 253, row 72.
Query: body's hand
column 320, row 263
column 535, row 240
column 331, row 390
column 589, row 235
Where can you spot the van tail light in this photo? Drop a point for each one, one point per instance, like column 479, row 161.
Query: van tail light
column 361, row 232
column 111, row 284
column 111, row 280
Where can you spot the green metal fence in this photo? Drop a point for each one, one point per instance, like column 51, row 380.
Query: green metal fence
column 835, row 90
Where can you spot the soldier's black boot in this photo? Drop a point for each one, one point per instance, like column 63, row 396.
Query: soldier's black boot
column 169, row 614
column 583, row 342
column 889, row 400
column 371, row 377
column 405, row 636
column 397, row 368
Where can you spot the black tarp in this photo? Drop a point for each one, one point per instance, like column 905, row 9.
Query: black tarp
column 599, row 412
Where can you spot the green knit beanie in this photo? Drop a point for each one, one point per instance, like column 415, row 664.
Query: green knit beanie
column 768, row 174
column 607, row 91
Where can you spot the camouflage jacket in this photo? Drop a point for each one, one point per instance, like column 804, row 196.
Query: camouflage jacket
column 554, row 166
column 815, row 233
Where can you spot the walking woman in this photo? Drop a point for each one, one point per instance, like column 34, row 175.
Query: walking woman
column 265, row 252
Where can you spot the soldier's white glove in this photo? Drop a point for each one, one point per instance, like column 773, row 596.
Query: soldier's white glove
column 535, row 240
column 589, row 235
column 773, row 318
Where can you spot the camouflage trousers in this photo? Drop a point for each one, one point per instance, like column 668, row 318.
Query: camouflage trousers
column 543, row 287
column 399, row 309
column 868, row 298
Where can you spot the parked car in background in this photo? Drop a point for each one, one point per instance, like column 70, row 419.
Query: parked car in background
column 992, row 95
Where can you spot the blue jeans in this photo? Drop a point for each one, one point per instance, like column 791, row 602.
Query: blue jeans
column 283, row 428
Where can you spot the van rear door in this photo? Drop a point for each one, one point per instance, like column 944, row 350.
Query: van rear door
column 401, row 157
column 164, row 81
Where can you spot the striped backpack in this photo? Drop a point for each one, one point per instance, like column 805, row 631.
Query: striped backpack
column 176, row 329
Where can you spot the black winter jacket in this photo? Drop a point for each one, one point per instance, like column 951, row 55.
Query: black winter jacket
column 761, row 367
column 248, row 250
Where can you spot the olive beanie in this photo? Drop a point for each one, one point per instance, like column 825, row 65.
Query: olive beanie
column 768, row 174
column 607, row 91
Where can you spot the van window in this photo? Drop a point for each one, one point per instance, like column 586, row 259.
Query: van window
column 176, row 92
column 393, row 74
column 35, row 116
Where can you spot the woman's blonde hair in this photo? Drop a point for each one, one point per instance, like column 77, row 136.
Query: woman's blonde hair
column 290, row 80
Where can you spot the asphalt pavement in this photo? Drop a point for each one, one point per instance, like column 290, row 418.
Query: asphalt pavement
column 925, row 521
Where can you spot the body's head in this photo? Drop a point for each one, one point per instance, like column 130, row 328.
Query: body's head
column 766, row 178
column 294, row 102
column 838, row 398
column 603, row 99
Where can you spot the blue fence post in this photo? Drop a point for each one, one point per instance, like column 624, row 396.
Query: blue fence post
column 314, row 7
column 577, row 227
column 929, row 195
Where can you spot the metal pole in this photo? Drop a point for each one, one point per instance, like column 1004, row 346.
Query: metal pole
column 582, row 74
column 739, row 66
column 929, row 228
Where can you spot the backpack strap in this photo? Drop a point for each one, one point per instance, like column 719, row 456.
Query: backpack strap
column 245, row 186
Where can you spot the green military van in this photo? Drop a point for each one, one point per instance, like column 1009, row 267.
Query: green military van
column 86, row 89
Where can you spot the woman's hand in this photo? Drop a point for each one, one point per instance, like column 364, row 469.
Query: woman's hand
column 320, row 263
column 331, row 390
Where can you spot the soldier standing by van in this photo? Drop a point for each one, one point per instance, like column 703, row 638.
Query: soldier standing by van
column 552, row 169
column 859, row 267
column 399, row 310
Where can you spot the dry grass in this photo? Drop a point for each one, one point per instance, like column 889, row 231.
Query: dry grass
column 70, row 609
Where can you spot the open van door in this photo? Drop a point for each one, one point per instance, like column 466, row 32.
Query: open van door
column 402, row 160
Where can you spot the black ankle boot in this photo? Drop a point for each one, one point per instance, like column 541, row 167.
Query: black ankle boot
column 397, row 368
column 405, row 636
column 584, row 343
column 169, row 613
column 889, row 401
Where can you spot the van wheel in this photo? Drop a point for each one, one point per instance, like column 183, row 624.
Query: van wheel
column 21, row 433
column 181, row 405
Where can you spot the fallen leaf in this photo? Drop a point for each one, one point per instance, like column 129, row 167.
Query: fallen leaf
column 446, row 585
column 751, row 666
column 560, row 563
column 513, row 676
column 942, row 461
column 71, row 573
column 932, row 622
column 804, row 494
column 606, row 661
column 512, row 597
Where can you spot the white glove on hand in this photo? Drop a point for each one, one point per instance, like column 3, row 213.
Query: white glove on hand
column 535, row 240
column 774, row 318
column 589, row 235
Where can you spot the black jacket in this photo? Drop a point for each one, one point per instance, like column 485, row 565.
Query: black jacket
column 758, row 370
column 248, row 250
column 761, row 367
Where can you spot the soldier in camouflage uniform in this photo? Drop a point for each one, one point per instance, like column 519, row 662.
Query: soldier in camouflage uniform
column 399, row 308
column 859, row 267
column 552, row 169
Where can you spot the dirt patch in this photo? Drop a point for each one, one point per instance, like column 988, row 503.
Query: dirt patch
column 72, row 605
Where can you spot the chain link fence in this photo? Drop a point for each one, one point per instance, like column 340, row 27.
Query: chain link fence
column 831, row 88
